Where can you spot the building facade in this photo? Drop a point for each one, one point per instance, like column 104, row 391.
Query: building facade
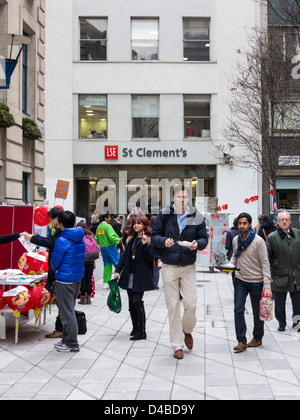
column 136, row 97
column 22, row 160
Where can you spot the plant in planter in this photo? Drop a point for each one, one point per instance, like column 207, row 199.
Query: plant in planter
column 6, row 118
column 30, row 129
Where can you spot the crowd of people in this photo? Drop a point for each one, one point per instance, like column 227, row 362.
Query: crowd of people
column 266, row 258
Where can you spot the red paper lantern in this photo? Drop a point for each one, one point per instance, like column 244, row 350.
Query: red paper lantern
column 39, row 296
column 30, row 265
column 21, row 302
column 40, row 216
column 2, row 299
column 45, row 266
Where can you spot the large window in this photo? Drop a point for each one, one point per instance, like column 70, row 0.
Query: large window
column 286, row 117
column 197, row 115
column 92, row 116
column 196, row 42
column 93, row 39
column 144, row 36
column 145, row 116
column 288, row 193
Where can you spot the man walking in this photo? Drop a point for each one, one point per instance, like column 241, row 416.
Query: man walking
column 251, row 258
column 107, row 239
column 284, row 255
column 180, row 222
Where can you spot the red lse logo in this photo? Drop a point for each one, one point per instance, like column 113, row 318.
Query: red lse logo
column 111, row 152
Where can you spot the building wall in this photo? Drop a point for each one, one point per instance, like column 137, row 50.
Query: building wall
column 119, row 77
column 20, row 155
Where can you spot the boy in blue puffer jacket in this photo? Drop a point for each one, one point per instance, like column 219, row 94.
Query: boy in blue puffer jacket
column 67, row 262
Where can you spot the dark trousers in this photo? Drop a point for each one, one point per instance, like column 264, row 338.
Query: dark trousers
column 280, row 304
column 241, row 291
column 86, row 281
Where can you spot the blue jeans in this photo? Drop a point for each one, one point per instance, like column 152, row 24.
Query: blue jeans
column 241, row 291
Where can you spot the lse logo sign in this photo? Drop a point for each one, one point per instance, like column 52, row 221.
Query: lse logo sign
column 111, row 152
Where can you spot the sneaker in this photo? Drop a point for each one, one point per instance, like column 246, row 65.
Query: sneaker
column 60, row 343
column 64, row 348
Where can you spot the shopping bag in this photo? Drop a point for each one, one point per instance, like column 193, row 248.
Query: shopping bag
column 114, row 298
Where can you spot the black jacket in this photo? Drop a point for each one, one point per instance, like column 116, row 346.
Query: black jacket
column 166, row 226
column 49, row 243
column 5, row 239
column 142, row 267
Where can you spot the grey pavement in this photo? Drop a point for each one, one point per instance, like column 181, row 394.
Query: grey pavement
column 111, row 367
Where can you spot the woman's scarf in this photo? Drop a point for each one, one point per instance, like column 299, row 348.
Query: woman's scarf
column 243, row 245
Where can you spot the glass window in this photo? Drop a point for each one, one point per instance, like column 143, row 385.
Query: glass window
column 197, row 115
column 92, row 116
column 196, row 41
column 93, row 39
column 144, row 36
column 286, row 117
column 145, row 116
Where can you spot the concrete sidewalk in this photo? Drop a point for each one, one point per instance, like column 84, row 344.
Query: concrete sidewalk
column 110, row 367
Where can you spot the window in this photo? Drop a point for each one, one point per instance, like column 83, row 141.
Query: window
column 197, row 115
column 145, row 114
column 196, row 41
column 93, row 39
column 92, row 116
column 144, row 36
column 288, row 192
column 286, row 117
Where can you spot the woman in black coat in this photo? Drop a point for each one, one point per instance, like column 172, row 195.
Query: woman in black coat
column 136, row 268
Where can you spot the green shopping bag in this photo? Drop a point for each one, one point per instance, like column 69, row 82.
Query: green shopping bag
column 114, row 298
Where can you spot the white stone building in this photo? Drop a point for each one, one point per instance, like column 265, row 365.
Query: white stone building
column 151, row 79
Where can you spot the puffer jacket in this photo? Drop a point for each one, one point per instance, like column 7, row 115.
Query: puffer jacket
column 68, row 256
column 166, row 226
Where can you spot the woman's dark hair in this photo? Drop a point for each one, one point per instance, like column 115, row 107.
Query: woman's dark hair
column 140, row 220
column 87, row 232
column 54, row 212
column 245, row 215
column 268, row 221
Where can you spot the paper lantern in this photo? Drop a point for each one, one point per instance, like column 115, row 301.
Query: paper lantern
column 39, row 296
column 2, row 299
column 21, row 302
column 45, row 266
column 30, row 265
column 40, row 216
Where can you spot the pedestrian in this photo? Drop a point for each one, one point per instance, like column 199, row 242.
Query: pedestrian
column 284, row 255
column 260, row 222
column 5, row 239
column 95, row 220
column 49, row 243
column 268, row 226
column 234, row 231
column 107, row 239
column 251, row 258
column 136, row 268
column 180, row 222
column 67, row 262
column 86, row 287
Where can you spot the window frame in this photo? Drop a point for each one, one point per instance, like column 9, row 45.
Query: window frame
column 143, row 117
column 186, row 40
column 81, row 18
column 140, row 40
column 193, row 117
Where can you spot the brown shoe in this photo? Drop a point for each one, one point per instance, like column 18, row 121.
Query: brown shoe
column 255, row 343
column 240, row 347
column 178, row 354
column 189, row 342
column 55, row 334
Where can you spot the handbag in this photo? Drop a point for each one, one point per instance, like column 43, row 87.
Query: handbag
column 114, row 301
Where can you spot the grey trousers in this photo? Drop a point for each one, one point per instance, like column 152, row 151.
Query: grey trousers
column 65, row 299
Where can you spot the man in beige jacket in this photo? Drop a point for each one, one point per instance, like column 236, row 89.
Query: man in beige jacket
column 254, row 276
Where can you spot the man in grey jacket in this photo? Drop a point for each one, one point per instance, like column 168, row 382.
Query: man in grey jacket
column 284, row 255
column 251, row 258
